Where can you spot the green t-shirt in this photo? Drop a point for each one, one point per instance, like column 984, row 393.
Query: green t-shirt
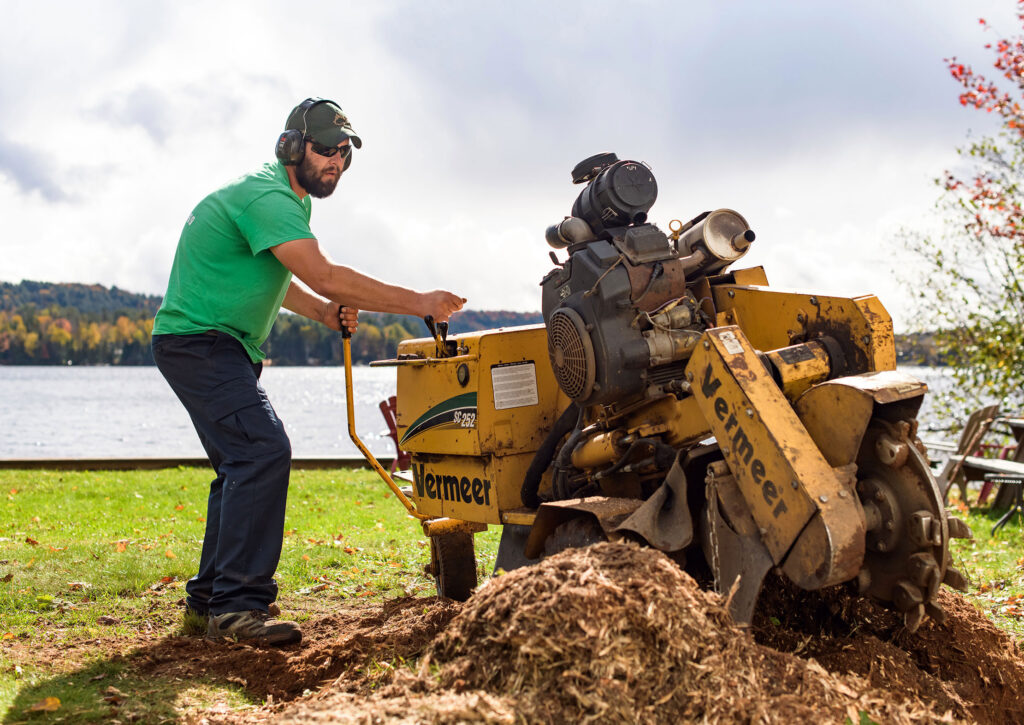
column 224, row 276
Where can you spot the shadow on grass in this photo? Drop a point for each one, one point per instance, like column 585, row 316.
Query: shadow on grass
column 163, row 680
column 124, row 688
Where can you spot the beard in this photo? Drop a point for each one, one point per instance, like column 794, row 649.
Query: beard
column 317, row 186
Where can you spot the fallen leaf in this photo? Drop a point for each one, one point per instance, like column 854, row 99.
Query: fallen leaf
column 14, row 491
column 120, row 546
column 7, row 635
column 78, row 586
column 113, row 695
column 167, row 579
column 305, row 557
column 349, row 550
column 170, row 554
column 7, row 577
column 35, row 519
column 107, row 620
column 317, row 588
column 179, row 507
column 56, row 548
column 30, row 541
column 50, row 704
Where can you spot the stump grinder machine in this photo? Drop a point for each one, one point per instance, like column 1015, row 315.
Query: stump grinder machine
column 675, row 401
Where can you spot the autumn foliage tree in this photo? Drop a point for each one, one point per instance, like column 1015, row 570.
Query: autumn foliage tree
column 970, row 275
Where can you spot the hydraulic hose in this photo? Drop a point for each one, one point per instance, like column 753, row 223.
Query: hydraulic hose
column 542, row 459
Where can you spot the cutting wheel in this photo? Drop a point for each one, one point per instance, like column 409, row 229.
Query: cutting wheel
column 906, row 555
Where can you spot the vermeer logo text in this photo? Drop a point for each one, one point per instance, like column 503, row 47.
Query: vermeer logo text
column 438, row 485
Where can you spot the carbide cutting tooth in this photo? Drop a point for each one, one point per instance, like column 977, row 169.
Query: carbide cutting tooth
column 958, row 529
column 936, row 612
column 906, row 596
column 955, row 579
column 925, row 573
column 919, row 528
column 912, row 618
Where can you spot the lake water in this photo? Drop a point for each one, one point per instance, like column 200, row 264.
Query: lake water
column 72, row 412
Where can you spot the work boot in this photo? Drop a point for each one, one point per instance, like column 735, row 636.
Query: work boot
column 254, row 625
column 195, row 622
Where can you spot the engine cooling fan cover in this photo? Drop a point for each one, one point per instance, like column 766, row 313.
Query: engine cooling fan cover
column 572, row 353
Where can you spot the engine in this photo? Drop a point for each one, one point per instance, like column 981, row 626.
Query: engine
column 620, row 319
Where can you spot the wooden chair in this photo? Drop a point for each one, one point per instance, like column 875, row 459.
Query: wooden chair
column 977, row 426
column 403, row 459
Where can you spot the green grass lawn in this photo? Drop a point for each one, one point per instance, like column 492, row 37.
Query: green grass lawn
column 994, row 564
column 105, row 555
column 91, row 554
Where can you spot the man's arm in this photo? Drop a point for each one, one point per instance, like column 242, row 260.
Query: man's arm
column 350, row 288
column 303, row 302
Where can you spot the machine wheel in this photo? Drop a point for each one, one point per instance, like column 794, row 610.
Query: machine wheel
column 908, row 530
column 453, row 564
column 573, row 534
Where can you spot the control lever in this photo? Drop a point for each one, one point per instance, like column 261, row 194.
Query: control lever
column 439, row 331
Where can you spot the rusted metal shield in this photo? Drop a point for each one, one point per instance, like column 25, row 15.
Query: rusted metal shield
column 734, row 550
column 609, row 513
column 664, row 519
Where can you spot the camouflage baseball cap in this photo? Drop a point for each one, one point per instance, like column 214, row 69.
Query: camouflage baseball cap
column 323, row 121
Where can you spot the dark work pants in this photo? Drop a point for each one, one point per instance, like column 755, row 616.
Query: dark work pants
column 249, row 450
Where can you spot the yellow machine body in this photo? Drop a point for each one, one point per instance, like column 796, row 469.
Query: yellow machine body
column 474, row 420
column 693, row 409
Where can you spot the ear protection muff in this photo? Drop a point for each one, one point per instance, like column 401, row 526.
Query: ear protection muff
column 291, row 144
column 291, row 147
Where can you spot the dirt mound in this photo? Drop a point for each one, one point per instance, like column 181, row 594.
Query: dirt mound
column 335, row 648
column 616, row 633
column 966, row 665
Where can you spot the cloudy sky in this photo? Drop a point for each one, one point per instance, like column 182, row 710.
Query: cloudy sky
column 823, row 123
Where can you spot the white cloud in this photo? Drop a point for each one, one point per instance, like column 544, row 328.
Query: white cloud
column 824, row 128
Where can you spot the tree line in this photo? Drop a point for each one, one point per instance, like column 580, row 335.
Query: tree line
column 43, row 323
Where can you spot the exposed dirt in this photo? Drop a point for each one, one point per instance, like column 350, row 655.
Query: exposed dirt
column 616, row 633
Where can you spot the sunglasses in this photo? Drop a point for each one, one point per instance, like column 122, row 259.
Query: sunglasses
column 329, row 151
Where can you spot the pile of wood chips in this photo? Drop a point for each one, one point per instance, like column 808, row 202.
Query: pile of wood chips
column 617, row 633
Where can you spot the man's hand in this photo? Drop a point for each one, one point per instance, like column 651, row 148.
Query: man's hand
column 440, row 304
column 335, row 316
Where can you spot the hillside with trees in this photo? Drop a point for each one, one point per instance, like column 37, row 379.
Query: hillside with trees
column 44, row 323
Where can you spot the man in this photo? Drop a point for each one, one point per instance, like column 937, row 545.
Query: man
column 233, row 270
